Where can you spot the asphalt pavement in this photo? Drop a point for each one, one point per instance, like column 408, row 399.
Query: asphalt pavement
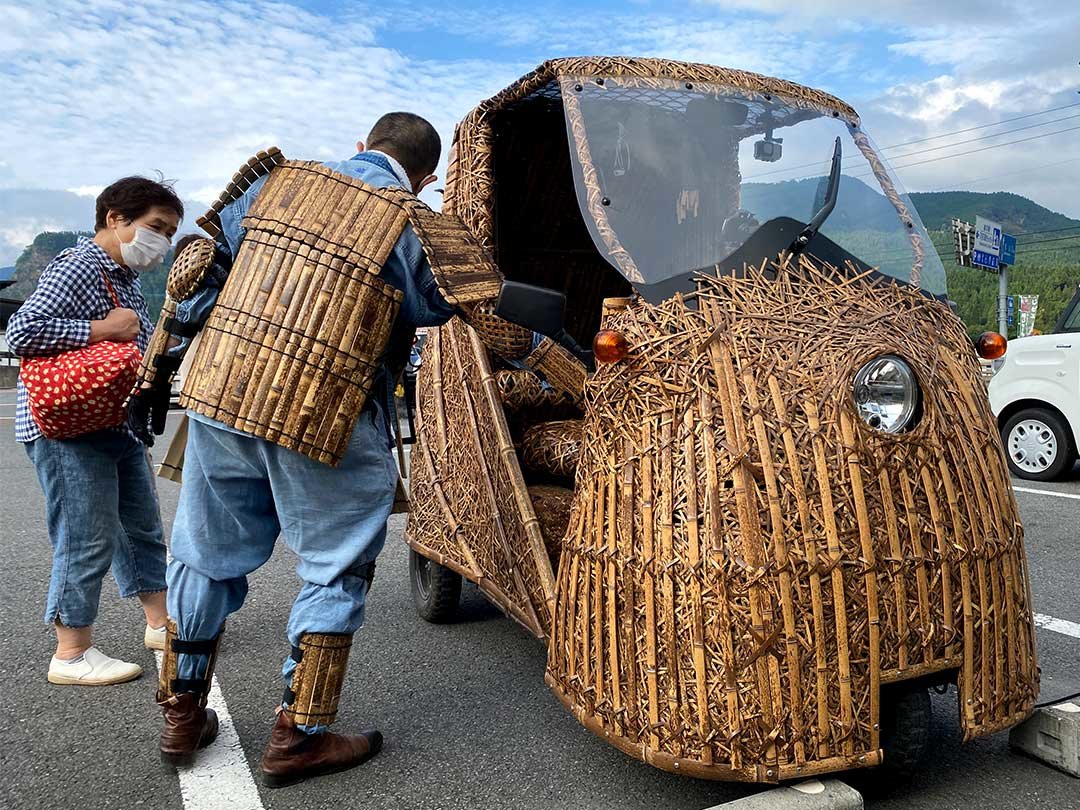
column 468, row 720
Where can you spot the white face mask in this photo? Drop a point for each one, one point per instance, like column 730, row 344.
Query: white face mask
column 146, row 250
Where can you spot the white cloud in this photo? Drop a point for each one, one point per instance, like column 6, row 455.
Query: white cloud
column 86, row 191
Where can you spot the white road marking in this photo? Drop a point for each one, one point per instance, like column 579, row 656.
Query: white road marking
column 1062, row 626
column 1069, row 495
column 220, row 776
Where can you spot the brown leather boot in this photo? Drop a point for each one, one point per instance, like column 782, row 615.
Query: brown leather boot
column 293, row 755
column 188, row 727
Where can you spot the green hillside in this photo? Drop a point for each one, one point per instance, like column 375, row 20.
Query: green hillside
column 1017, row 215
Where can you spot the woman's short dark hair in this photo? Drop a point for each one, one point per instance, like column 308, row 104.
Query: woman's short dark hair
column 131, row 197
column 410, row 138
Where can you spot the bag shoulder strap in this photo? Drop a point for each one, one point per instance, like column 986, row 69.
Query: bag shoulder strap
column 109, row 287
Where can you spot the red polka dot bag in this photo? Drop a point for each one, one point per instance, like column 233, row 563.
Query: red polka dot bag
column 82, row 390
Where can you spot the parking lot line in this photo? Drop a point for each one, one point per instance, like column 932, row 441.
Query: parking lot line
column 220, row 776
column 1047, row 492
column 1066, row 628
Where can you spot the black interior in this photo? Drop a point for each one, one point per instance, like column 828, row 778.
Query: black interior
column 540, row 235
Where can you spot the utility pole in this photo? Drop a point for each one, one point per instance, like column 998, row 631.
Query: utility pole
column 983, row 245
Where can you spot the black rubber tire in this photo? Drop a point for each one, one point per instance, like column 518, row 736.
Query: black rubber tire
column 905, row 733
column 1066, row 456
column 436, row 590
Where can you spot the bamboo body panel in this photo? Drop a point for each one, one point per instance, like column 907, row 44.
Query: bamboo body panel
column 748, row 562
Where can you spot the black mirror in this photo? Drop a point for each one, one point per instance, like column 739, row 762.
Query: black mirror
column 537, row 308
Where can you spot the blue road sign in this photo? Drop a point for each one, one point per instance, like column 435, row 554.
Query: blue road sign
column 1008, row 249
column 1010, row 310
column 984, row 259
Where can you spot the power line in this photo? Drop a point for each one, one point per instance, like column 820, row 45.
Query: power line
column 1020, row 244
column 975, row 151
column 980, row 126
column 1028, row 170
column 984, row 137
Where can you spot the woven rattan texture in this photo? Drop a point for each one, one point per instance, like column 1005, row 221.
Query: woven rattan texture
column 319, row 677
column 749, row 562
column 188, row 269
column 470, row 508
column 296, row 336
column 552, row 507
column 520, row 389
column 506, row 339
column 553, row 447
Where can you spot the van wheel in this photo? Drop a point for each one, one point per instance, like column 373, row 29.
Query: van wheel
column 905, row 731
column 436, row 589
column 1037, row 444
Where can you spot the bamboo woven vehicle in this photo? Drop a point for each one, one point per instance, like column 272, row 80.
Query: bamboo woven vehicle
column 778, row 506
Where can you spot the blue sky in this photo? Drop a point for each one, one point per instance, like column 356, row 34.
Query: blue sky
column 94, row 89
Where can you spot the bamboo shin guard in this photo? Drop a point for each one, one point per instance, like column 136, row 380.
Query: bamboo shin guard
column 321, row 660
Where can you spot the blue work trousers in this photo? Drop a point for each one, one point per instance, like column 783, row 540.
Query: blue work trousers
column 102, row 511
column 240, row 492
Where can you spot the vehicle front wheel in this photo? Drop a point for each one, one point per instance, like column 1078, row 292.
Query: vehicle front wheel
column 436, row 589
column 1037, row 444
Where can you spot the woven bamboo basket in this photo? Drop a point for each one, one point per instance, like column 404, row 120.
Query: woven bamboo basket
column 746, row 563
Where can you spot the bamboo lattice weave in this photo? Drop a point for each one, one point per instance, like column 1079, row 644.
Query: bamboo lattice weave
column 749, row 562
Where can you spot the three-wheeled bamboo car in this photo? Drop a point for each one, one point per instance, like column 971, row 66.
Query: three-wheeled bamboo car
column 776, row 508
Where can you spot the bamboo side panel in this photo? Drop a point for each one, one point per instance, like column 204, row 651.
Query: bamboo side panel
column 462, row 268
column 747, row 562
column 470, row 508
column 158, row 345
column 562, row 370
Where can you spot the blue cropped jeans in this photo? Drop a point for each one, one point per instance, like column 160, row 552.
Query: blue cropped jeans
column 101, row 508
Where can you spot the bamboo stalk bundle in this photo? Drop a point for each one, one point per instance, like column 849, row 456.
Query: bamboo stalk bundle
column 553, row 447
column 159, row 342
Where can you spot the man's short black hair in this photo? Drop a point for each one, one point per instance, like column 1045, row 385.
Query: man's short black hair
column 410, row 139
column 131, row 197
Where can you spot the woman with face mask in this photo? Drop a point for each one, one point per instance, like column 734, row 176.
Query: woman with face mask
column 100, row 504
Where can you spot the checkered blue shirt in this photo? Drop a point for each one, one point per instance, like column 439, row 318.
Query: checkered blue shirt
column 56, row 317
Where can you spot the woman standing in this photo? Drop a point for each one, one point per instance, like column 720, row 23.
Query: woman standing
column 100, row 503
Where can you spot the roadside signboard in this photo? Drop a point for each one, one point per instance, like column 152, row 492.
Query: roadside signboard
column 1029, row 305
column 987, row 247
column 1008, row 249
column 1010, row 309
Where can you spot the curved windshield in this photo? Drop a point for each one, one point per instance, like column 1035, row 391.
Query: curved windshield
column 673, row 177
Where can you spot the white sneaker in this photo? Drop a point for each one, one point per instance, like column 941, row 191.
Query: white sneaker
column 94, row 668
column 154, row 639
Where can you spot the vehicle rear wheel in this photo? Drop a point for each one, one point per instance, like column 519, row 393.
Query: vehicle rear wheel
column 905, row 732
column 436, row 590
column 1037, row 444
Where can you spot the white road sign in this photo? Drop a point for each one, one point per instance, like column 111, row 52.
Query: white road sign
column 987, row 248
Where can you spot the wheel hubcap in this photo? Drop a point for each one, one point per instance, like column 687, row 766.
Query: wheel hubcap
column 1033, row 446
column 423, row 575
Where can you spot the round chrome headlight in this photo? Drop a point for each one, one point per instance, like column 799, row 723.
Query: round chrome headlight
column 886, row 394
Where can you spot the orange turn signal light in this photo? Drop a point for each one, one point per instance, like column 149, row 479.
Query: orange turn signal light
column 991, row 345
column 610, row 346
